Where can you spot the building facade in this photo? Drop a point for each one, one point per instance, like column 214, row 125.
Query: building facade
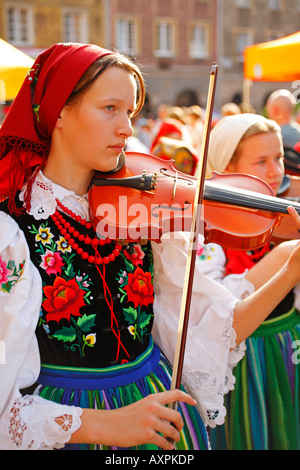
column 34, row 25
column 175, row 41
column 243, row 23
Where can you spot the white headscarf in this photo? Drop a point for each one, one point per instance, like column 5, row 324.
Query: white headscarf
column 225, row 137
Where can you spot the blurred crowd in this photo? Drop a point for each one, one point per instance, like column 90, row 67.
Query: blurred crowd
column 177, row 132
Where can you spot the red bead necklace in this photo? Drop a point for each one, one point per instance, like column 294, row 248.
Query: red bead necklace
column 70, row 234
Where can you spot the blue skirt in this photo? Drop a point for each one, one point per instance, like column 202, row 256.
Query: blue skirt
column 118, row 386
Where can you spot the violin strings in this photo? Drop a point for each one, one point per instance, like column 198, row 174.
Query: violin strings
column 231, row 194
column 249, row 199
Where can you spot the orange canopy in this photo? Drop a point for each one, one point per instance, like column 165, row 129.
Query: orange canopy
column 274, row 61
column 14, row 66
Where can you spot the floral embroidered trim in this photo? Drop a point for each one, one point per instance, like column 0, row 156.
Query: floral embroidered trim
column 69, row 292
column 63, row 299
column 33, row 81
column 136, row 286
column 7, row 281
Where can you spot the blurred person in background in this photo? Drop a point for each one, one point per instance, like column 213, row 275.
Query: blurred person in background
column 263, row 409
column 281, row 107
column 195, row 123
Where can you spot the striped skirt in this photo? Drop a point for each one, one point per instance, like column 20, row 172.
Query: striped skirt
column 263, row 411
column 119, row 386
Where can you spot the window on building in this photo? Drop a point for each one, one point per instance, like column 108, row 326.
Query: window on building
column 165, row 39
column 270, row 35
column 19, row 24
column 275, row 4
column 243, row 3
column 75, row 25
column 199, row 41
column 126, row 35
column 243, row 38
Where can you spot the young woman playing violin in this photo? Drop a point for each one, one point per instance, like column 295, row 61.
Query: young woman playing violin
column 263, row 409
column 80, row 361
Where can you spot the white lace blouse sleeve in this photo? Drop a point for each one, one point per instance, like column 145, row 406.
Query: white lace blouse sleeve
column 212, row 263
column 26, row 422
column 209, row 358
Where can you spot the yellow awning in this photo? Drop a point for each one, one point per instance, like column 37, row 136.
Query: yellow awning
column 274, row 61
column 14, row 66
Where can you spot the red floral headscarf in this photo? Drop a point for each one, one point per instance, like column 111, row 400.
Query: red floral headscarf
column 25, row 135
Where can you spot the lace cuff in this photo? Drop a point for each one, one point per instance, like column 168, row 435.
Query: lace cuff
column 38, row 424
column 209, row 388
column 239, row 285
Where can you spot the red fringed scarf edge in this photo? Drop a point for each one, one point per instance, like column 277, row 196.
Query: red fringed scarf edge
column 20, row 161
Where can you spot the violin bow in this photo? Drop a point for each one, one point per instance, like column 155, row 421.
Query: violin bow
column 195, row 230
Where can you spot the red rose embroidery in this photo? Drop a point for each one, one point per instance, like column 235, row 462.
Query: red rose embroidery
column 52, row 262
column 3, row 271
column 64, row 299
column 139, row 288
column 137, row 256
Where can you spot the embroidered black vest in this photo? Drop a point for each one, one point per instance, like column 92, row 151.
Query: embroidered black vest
column 91, row 316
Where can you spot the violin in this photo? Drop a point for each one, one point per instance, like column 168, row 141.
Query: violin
column 146, row 197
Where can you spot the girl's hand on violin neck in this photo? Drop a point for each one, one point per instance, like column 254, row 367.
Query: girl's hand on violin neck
column 147, row 421
column 295, row 216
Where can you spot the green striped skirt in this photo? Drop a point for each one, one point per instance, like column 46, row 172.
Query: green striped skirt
column 263, row 409
column 119, row 386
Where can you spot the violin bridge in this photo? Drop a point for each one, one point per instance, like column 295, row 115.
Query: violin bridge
column 175, row 186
